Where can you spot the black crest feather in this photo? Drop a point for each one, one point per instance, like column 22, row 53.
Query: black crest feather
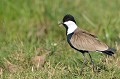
column 68, row 17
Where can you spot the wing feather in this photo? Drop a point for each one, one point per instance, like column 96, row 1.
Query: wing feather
column 83, row 40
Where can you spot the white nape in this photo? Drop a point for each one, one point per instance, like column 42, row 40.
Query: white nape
column 71, row 26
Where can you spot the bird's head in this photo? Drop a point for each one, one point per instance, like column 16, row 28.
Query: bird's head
column 69, row 23
column 68, row 18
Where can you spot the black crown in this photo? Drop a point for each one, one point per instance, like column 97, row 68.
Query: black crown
column 68, row 17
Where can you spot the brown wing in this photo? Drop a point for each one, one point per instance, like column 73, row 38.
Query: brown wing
column 83, row 40
column 84, row 31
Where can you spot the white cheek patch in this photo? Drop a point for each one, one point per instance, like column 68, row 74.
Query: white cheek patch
column 71, row 26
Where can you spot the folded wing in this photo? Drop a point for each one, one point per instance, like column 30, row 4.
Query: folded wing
column 82, row 40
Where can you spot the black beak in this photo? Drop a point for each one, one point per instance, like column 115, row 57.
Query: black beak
column 59, row 23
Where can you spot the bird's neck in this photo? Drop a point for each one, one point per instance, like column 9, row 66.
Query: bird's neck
column 71, row 28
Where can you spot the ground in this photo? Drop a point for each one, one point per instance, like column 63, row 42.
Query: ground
column 33, row 46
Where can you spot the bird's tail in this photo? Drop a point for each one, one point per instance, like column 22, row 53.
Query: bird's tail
column 109, row 51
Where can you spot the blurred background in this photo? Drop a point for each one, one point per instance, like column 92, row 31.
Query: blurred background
column 29, row 32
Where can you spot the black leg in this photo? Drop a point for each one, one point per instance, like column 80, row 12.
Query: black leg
column 83, row 63
column 91, row 60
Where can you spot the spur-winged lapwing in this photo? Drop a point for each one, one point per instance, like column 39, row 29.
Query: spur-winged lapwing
column 82, row 40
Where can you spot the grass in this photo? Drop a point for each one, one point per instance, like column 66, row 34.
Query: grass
column 29, row 25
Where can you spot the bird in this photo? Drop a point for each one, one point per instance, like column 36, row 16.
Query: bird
column 83, row 41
